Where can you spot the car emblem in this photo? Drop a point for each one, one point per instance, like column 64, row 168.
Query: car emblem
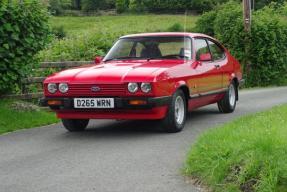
column 95, row 88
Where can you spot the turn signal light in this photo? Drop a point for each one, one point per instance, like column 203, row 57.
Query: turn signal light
column 137, row 102
column 54, row 102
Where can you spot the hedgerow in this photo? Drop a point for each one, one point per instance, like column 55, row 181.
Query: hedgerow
column 263, row 51
column 82, row 47
column 168, row 6
column 24, row 31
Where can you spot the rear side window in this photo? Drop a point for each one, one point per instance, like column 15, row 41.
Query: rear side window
column 216, row 51
column 201, row 47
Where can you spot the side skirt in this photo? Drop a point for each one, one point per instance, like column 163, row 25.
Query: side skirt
column 200, row 100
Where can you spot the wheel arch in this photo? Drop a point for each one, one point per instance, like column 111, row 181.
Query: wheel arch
column 184, row 88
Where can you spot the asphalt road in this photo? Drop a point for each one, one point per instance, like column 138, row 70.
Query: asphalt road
column 113, row 156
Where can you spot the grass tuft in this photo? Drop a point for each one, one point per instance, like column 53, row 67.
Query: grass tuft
column 23, row 116
column 248, row 154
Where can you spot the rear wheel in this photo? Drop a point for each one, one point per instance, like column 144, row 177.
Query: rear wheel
column 176, row 115
column 75, row 125
column 228, row 103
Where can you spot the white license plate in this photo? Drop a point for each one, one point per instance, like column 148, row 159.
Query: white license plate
column 94, row 103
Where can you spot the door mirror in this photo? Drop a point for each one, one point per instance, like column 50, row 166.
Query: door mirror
column 205, row 57
column 98, row 60
column 195, row 64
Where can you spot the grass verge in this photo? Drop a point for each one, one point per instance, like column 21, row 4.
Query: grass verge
column 248, row 154
column 125, row 24
column 12, row 119
column 87, row 37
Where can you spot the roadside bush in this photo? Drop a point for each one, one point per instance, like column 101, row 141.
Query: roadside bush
column 264, row 49
column 136, row 6
column 205, row 5
column 24, row 31
column 55, row 7
column 83, row 47
column 66, row 4
column 177, row 27
column 92, row 5
column 268, row 49
column 59, row 32
column 122, row 5
column 205, row 24
column 167, row 5
column 262, row 3
column 283, row 10
column 176, row 6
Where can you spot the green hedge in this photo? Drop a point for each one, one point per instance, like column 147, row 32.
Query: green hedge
column 168, row 6
column 82, row 47
column 23, row 32
column 263, row 52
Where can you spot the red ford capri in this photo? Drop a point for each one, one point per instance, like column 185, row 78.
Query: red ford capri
column 152, row 76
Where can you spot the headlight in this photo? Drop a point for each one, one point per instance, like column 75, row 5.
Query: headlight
column 63, row 87
column 133, row 87
column 146, row 87
column 52, row 87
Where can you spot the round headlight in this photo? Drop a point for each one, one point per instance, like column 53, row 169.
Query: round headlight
column 133, row 87
column 63, row 87
column 146, row 87
column 52, row 87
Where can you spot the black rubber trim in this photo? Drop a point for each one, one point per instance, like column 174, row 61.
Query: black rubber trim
column 194, row 96
column 120, row 103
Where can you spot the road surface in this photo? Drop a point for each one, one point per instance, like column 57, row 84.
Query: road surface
column 113, row 156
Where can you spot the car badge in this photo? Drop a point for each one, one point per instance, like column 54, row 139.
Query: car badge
column 95, row 88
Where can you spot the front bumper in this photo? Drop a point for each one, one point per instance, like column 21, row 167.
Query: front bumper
column 155, row 108
column 120, row 103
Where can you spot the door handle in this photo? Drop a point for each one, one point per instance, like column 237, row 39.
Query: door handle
column 217, row 66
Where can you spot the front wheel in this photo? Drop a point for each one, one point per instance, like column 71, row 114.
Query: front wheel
column 75, row 125
column 176, row 115
column 228, row 103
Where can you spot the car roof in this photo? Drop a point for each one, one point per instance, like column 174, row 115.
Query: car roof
column 165, row 34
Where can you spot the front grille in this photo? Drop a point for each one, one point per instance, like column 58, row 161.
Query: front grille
column 104, row 90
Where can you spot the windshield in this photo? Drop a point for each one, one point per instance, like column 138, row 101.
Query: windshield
column 151, row 48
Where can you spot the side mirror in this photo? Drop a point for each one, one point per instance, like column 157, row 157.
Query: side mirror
column 98, row 60
column 205, row 57
column 195, row 64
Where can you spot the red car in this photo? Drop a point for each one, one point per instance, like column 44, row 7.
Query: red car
column 153, row 76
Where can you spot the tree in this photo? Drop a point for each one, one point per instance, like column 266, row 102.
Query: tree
column 76, row 4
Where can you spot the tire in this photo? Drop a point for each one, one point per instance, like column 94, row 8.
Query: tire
column 175, row 118
column 75, row 125
column 228, row 103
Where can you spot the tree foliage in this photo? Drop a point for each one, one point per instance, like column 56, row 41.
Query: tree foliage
column 180, row 5
column 23, row 32
column 265, row 47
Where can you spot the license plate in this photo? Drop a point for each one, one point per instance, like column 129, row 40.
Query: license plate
column 94, row 103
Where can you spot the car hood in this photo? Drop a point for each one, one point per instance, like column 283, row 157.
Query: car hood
column 115, row 72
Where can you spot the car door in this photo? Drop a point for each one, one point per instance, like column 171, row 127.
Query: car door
column 220, row 61
column 209, row 77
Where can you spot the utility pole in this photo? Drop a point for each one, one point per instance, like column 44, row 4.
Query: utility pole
column 247, row 15
column 247, row 40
